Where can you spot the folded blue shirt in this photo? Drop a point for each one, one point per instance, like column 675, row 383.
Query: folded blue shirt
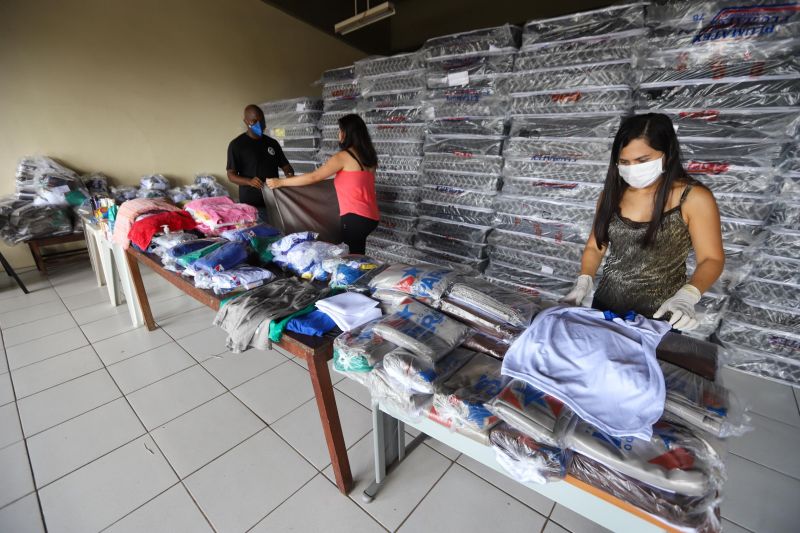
column 315, row 323
column 225, row 257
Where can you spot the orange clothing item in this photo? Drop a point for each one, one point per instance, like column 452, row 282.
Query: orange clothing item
column 355, row 190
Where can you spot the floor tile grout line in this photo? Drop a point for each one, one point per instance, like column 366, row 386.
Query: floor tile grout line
column 7, row 346
column 66, row 380
column 427, row 493
column 39, row 317
column 282, row 502
column 52, row 356
column 784, row 474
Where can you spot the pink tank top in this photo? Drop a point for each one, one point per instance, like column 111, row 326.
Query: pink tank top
column 355, row 190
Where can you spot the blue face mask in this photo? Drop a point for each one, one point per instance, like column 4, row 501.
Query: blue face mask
column 256, row 128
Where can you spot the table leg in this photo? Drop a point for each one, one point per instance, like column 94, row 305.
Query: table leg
column 94, row 256
column 36, row 252
column 121, row 267
column 11, row 272
column 141, row 294
column 331, row 425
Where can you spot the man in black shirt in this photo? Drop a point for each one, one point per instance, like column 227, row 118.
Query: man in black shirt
column 253, row 157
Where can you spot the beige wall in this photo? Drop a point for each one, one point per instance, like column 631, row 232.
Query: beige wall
column 133, row 87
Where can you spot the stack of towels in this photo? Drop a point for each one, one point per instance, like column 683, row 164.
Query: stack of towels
column 350, row 310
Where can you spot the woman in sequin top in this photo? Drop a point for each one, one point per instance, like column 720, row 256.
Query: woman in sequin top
column 650, row 215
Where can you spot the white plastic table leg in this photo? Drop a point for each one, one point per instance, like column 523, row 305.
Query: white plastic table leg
column 107, row 260
column 134, row 308
column 90, row 233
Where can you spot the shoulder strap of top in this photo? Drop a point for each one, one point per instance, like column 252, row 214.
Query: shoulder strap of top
column 356, row 158
column 685, row 193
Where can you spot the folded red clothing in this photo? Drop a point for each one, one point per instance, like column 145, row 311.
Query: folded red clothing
column 143, row 230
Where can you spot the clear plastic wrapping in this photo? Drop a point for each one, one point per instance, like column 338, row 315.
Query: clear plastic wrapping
column 552, row 189
column 592, row 126
column 291, row 105
column 461, row 399
column 735, row 95
column 338, row 74
column 734, row 69
column 737, row 123
column 377, row 66
column 557, row 149
column 786, row 214
column 494, row 303
column 387, row 391
column 740, row 231
column 302, row 154
column 485, row 183
column 675, row 459
column 702, row 404
column 743, row 205
column 558, row 231
column 421, row 375
column 767, row 366
column 391, row 132
column 347, row 270
column 545, row 209
column 478, row 320
column 356, row 352
column 24, row 221
column 585, row 25
column 397, row 82
column 464, row 232
column 545, row 264
column 603, row 74
column 525, row 459
column 421, row 330
column 735, row 179
column 407, row 209
column 391, row 163
column 782, row 242
column 341, row 90
column 417, row 281
column 398, row 222
column 406, row 148
column 291, row 119
column 438, row 243
column 395, row 115
column 569, row 171
column 410, row 99
column 530, row 411
column 456, row 196
column 465, row 146
column 472, row 42
column 300, row 142
column 456, row 70
column 588, row 100
column 560, row 249
column 761, row 313
column 550, row 287
column 776, row 294
column 467, row 126
column 458, row 164
column 731, row 151
column 462, row 265
column 397, row 179
column 592, row 49
column 401, row 237
column 388, row 252
column 464, row 102
column 457, row 213
column 776, row 269
column 294, row 130
column 387, row 194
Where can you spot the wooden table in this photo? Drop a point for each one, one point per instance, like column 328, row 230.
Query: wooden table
column 36, row 246
column 316, row 351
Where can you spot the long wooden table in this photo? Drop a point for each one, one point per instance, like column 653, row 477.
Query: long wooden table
column 316, row 351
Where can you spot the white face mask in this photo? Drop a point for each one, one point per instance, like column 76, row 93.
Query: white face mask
column 642, row 175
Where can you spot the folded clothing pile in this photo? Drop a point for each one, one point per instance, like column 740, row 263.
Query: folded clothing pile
column 245, row 317
column 237, row 279
column 185, row 254
column 418, row 280
column 153, row 186
column 204, row 186
column 304, row 255
column 42, row 181
column 316, row 324
column 350, row 310
column 421, row 330
column 406, row 383
column 131, row 210
column 123, row 193
column 219, row 213
column 247, row 233
column 143, row 229
column 461, row 400
column 21, row 221
column 502, row 306
column 225, row 257
column 525, row 459
column 531, row 411
column 162, row 244
column 96, row 183
column 355, row 353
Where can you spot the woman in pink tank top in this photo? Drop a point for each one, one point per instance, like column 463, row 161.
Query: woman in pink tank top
column 354, row 170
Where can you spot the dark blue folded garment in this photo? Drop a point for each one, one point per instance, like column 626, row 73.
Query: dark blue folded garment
column 189, row 247
column 225, row 257
column 244, row 234
column 315, row 323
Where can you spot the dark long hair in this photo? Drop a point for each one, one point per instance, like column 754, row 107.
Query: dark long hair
column 657, row 130
column 356, row 136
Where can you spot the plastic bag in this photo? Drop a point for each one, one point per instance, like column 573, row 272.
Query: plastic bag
column 356, row 352
column 440, row 244
column 285, row 244
column 587, row 24
column 487, row 344
column 463, row 69
column 479, row 216
column 384, row 389
column 226, row 256
column 291, row 105
column 419, row 374
column 345, row 271
column 468, row 126
column 495, row 303
column 161, row 244
column 421, row 281
column 461, row 399
column 241, row 277
column 376, row 66
column 472, row 42
column 245, row 234
column 422, row 330
column 464, row 232
column 26, row 221
column 124, row 193
column 703, row 404
column 525, row 459
column 531, row 411
column 154, row 181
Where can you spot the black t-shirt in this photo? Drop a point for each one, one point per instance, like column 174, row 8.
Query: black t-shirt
column 255, row 158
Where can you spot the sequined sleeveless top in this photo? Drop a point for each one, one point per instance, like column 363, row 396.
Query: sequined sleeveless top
column 641, row 279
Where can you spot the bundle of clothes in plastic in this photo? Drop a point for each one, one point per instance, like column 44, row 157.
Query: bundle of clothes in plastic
column 618, row 402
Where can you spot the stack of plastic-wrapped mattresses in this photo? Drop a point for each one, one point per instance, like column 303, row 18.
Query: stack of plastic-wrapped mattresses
column 467, row 106
column 294, row 124
column 570, row 87
column 340, row 95
column 392, row 89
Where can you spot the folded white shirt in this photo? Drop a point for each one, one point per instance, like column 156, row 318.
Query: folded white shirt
column 349, row 309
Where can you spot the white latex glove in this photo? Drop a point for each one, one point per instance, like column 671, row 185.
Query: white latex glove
column 681, row 307
column 583, row 286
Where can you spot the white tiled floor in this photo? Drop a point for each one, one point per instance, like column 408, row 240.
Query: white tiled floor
column 106, row 427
